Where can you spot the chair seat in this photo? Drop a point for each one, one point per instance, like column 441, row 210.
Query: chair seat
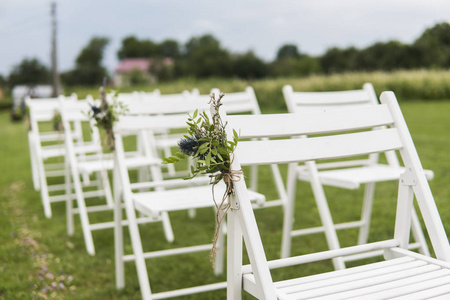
column 399, row 278
column 352, row 178
column 108, row 164
column 60, row 150
column 183, row 198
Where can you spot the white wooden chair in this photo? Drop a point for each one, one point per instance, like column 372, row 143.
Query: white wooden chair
column 89, row 161
column 246, row 103
column 403, row 275
column 348, row 174
column 46, row 145
column 164, row 196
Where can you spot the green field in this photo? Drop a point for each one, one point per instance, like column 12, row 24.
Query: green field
column 38, row 259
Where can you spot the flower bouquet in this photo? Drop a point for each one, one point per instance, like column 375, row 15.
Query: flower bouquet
column 106, row 114
column 212, row 152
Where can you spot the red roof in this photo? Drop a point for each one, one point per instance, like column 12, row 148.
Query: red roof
column 130, row 64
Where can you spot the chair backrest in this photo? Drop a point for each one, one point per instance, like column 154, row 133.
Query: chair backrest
column 336, row 139
column 43, row 110
column 306, row 101
column 74, row 114
column 300, row 102
column 240, row 102
column 165, row 104
column 144, row 127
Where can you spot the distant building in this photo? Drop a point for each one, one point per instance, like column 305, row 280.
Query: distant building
column 139, row 70
column 132, row 67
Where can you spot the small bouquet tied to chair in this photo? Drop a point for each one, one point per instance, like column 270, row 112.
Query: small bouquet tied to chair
column 106, row 114
column 212, row 152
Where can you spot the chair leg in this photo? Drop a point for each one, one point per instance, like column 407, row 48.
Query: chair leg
column 137, row 250
column 192, row 213
column 366, row 212
column 288, row 218
column 325, row 215
column 82, row 211
column 34, row 167
column 418, row 234
column 69, row 201
column 107, row 188
column 118, row 235
column 44, row 189
column 234, row 258
column 167, row 227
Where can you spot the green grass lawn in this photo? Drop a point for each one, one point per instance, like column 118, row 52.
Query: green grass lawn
column 39, row 260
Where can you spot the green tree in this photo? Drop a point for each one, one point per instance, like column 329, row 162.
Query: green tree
column 337, row 60
column 392, row 55
column 249, row 66
column 288, row 50
column 88, row 69
column 29, row 71
column 169, row 48
column 134, row 48
column 205, row 58
column 434, row 46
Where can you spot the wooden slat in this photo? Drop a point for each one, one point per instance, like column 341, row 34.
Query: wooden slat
column 133, row 123
column 238, row 107
column 356, row 285
column 235, row 97
column 327, row 98
column 329, row 147
column 346, row 272
column 307, row 124
column 337, row 106
column 161, row 106
column 152, row 203
column 438, row 293
column 324, row 255
column 410, row 289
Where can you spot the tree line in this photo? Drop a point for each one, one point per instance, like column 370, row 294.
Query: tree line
column 204, row 56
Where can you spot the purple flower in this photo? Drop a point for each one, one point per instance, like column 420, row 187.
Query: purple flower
column 95, row 109
column 188, row 146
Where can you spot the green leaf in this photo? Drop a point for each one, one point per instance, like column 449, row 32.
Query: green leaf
column 208, row 159
column 169, row 160
column 195, row 114
column 236, row 136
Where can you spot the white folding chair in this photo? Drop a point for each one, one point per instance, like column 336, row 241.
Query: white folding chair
column 348, row 174
column 46, row 145
column 90, row 161
column 331, row 134
column 164, row 196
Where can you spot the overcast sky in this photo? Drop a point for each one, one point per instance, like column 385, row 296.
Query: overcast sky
column 242, row 25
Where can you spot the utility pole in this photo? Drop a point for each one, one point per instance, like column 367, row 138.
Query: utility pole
column 55, row 75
